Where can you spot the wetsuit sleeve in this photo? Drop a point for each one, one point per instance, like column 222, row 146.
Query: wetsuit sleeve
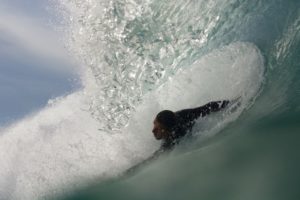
column 214, row 106
column 191, row 114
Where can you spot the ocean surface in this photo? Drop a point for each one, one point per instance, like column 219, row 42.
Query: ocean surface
column 138, row 57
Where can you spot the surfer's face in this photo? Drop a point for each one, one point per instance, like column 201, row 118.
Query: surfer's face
column 159, row 131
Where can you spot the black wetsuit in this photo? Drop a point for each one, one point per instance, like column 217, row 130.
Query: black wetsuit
column 185, row 120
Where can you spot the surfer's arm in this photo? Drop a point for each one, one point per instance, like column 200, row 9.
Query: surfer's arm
column 210, row 107
column 189, row 115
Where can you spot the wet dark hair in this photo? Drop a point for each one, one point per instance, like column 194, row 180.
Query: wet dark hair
column 167, row 118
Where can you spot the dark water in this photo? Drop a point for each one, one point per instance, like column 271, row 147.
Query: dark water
column 255, row 157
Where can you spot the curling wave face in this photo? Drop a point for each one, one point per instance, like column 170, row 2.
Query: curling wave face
column 139, row 57
column 63, row 143
column 132, row 47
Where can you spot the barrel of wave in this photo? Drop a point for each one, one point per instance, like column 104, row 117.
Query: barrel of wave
column 232, row 71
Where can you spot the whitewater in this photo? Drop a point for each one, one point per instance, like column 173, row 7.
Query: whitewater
column 140, row 57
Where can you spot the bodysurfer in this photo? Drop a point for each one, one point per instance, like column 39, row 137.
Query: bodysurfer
column 171, row 126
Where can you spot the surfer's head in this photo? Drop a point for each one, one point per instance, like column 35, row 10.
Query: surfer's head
column 164, row 123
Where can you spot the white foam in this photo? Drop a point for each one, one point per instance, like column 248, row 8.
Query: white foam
column 62, row 145
column 232, row 71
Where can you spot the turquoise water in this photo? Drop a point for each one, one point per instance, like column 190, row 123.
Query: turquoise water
column 253, row 157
